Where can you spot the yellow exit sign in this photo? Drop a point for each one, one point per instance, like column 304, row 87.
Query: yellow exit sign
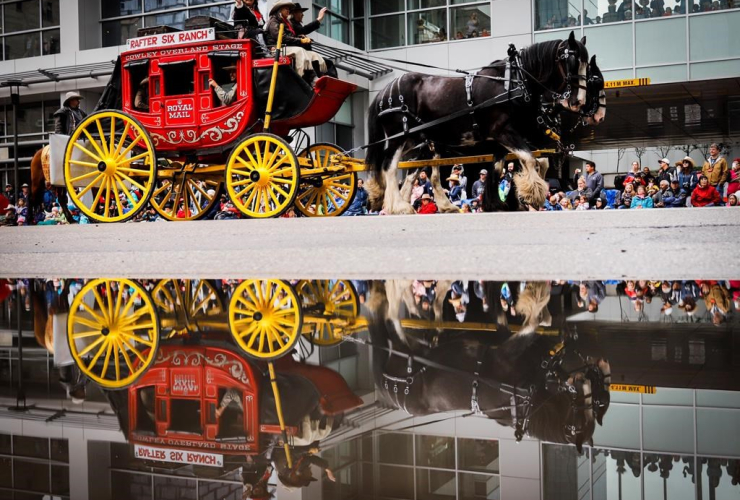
column 640, row 389
column 634, row 82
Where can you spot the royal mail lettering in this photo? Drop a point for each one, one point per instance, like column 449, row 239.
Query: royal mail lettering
column 184, row 384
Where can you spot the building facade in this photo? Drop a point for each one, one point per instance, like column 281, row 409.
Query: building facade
column 680, row 44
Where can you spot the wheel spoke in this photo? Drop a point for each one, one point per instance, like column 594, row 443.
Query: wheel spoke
column 165, row 184
column 102, row 321
column 84, row 176
column 112, row 135
column 125, row 355
column 262, row 336
column 133, row 349
column 100, row 176
column 138, row 157
column 114, row 188
column 87, row 152
column 136, row 338
column 248, row 203
column 273, row 197
column 128, row 149
column 259, row 154
column 279, row 189
column 85, row 334
column 101, row 134
column 99, row 353
column 253, row 330
column 126, row 192
column 83, row 164
column 130, row 180
column 93, row 142
column 244, row 162
column 106, row 187
column 92, row 346
column 251, row 158
column 126, row 130
column 337, row 193
column 129, row 303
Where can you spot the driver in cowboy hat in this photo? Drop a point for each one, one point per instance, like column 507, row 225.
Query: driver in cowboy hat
column 294, row 43
column 69, row 116
column 227, row 92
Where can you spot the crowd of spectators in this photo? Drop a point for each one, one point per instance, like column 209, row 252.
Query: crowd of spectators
column 627, row 10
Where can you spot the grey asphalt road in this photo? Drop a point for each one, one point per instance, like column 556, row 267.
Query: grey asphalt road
column 655, row 244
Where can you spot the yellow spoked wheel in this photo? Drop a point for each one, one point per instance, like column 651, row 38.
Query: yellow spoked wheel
column 327, row 304
column 186, row 305
column 113, row 332
column 262, row 176
column 185, row 197
column 110, row 167
column 265, row 318
column 328, row 195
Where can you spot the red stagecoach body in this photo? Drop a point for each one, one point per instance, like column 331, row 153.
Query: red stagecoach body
column 186, row 118
column 174, row 404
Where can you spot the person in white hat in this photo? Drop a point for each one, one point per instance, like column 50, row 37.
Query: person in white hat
column 69, row 116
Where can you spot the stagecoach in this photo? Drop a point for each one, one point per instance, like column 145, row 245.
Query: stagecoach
column 177, row 146
column 169, row 353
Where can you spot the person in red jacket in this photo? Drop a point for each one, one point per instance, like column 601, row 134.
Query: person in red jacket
column 427, row 205
column 705, row 195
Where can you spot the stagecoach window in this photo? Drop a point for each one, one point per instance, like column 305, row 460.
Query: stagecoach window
column 178, row 77
column 185, row 416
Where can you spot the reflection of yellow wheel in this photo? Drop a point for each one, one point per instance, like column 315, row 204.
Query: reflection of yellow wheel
column 110, row 156
column 265, row 318
column 327, row 195
column 113, row 322
column 262, row 176
column 185, row 197
column 324, row 301
column 185, row 305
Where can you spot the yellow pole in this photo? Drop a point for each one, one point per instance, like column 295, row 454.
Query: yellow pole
column 273, row 81
column 278, row 406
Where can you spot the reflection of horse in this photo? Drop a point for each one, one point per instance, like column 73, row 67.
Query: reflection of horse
column 553, row 71
column 467, row 370
column 38, row 186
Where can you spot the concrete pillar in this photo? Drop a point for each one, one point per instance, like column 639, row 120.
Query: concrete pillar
column 69, row 25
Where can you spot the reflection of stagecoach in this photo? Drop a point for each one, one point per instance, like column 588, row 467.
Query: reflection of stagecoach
column 183, row 146
column 180, row 353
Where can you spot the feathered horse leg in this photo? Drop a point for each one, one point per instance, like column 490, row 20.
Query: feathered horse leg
column 393, row 203
column 408, row 185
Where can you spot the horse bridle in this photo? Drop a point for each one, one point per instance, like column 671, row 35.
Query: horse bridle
column 565, row 57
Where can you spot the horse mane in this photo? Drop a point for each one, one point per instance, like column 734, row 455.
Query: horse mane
column 540, row 59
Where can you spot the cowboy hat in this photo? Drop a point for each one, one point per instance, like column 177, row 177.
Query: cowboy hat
column 9, row 208
column 230, row 68
column 297, row 7
column 453, row 177
column 24, row 185
column 69, row 96
column 279, row 5
column 690, row 160
column 426, row 196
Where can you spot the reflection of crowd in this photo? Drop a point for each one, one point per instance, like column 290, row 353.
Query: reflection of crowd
column 640, row 9
column 473, row 28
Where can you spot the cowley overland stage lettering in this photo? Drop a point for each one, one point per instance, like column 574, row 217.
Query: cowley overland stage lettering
column 171, row 39
column 177, row 456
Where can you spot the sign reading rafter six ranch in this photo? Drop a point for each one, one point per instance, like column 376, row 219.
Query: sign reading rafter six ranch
column 170, row 39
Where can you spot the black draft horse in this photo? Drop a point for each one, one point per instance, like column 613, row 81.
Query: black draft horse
column 561, row 397
column 553, row 72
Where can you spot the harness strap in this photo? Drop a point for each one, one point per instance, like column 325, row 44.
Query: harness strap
column 469, row 87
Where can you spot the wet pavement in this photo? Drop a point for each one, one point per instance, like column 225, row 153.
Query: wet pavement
column 398, row 389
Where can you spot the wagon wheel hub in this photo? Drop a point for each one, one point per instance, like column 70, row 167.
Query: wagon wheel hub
column 102, row 166
column 257, row 316
column 105, row 332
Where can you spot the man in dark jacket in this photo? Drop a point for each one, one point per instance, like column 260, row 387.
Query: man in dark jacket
column 69, row 116
column 594, row 180
column 301, row 29
column 675, row 197
column 666, row 172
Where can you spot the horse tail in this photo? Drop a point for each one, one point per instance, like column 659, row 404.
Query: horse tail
column 375, row 157
column 38, row 185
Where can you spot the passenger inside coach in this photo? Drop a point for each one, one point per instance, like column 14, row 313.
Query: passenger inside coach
column 226, row 92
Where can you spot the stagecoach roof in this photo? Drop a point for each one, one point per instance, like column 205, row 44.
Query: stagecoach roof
column 59, row 74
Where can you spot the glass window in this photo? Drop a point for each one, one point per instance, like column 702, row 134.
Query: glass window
column 717, row 431
column 622, row 429
column 24, row 446
column 553, row 14
column 6, row 477
column 477, row 455
column 217, row 11
column 427, row 26
column 435, row 451
column 712, row 5
column 173, row 19
column 127, row 486
column 50, row 13
column 152, row 5
column 60, row 480
column 336, row 28
column 425, row 4
column 386, row 32
column 31, row 476
column 669, row 35
column 359, row 34
column 471, row 21
column 623, row 470
column 22, row 46
column 122, row 8
column 395, row 449
column 613, row 44
column 477, row 486
column 5, row 439
column 714, row 37
column 664, row 478
column 668, row 429
column 21, row 16
column 117, row 32
column 397, row 482
column 50, row 42
column 435, row 485
column 385, row 6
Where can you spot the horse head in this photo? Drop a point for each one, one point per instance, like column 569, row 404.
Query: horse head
column 572, row 61
column 594, row 111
